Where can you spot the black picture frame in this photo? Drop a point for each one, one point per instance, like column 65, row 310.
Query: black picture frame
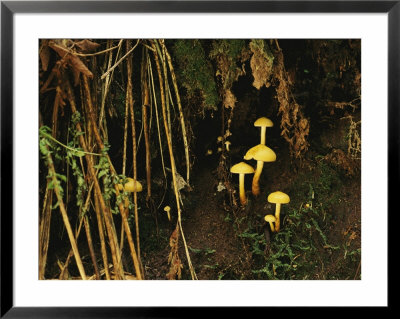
column 9, row 8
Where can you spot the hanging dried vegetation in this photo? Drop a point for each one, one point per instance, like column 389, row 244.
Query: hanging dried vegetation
column 85, row 137
column 269, row 67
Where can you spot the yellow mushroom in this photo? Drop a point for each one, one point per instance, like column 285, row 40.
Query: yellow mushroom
column 263, row 122
column 278, row 198
column 261, row 154
column 130, row 187
column 270, row 219
column 242, row 168
column 227, row 144
column 168, row 209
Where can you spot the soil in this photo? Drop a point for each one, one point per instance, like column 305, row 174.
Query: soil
column 216, row 250
column 215, row 247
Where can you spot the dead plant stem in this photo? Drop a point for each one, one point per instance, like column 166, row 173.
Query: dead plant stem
column 145, row 106
column 65, row 215
column 158, row 130
column 106, row 211
column 119, row 61
column 90, row 245
column 173, row 169
column 136, row 256
column 97, row 53
column 182, row 120
column 44, row 231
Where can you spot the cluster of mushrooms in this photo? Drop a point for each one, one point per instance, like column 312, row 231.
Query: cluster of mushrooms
column 262, row 154
column 130, row 187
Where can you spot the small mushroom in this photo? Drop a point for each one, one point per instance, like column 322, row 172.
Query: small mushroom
column 227, row 144
column 278, row 198
column 168, row 209
column 263, row 122
column 242, row 168
column 270, row 219
column 130, row 187
column 261, row 154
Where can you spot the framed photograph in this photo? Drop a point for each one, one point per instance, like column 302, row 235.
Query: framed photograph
column 161, row 156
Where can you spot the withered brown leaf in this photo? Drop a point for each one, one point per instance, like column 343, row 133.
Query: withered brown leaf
column 75, row 62
column 44, row 54
column 87, row 46
column 173, row 258
column 229, row 99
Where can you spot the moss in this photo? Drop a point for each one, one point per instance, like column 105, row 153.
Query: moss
column 261, row 63
column 195, row 72
column 228, row 53
column 232, row 48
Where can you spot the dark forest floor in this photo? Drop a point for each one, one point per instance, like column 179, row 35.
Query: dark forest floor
column 212, row 225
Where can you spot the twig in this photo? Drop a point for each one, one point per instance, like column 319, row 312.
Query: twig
column 136, row 253
column 145, row 105
column 88, row 234
column 100, row 226
column 106, row 85
column 158, row 131
column 182, row 120
column 44, row 230
column 97, row 53
column 65, row 146
column 125, row 136
column 119, row 61
column 90, row 245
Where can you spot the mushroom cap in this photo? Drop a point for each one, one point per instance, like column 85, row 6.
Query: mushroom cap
column 242, row 168
column 261, row 153
column 167, row 208
column 227, row 143
column 278, row 198
column 270, row 218
column 130, row 186
column 263, row 121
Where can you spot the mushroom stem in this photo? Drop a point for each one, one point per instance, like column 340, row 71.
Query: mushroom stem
column 271, row 224
column 263, row 133
column 242, row 193
column 277, row 212
column 167, row 209
column 255, row 186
